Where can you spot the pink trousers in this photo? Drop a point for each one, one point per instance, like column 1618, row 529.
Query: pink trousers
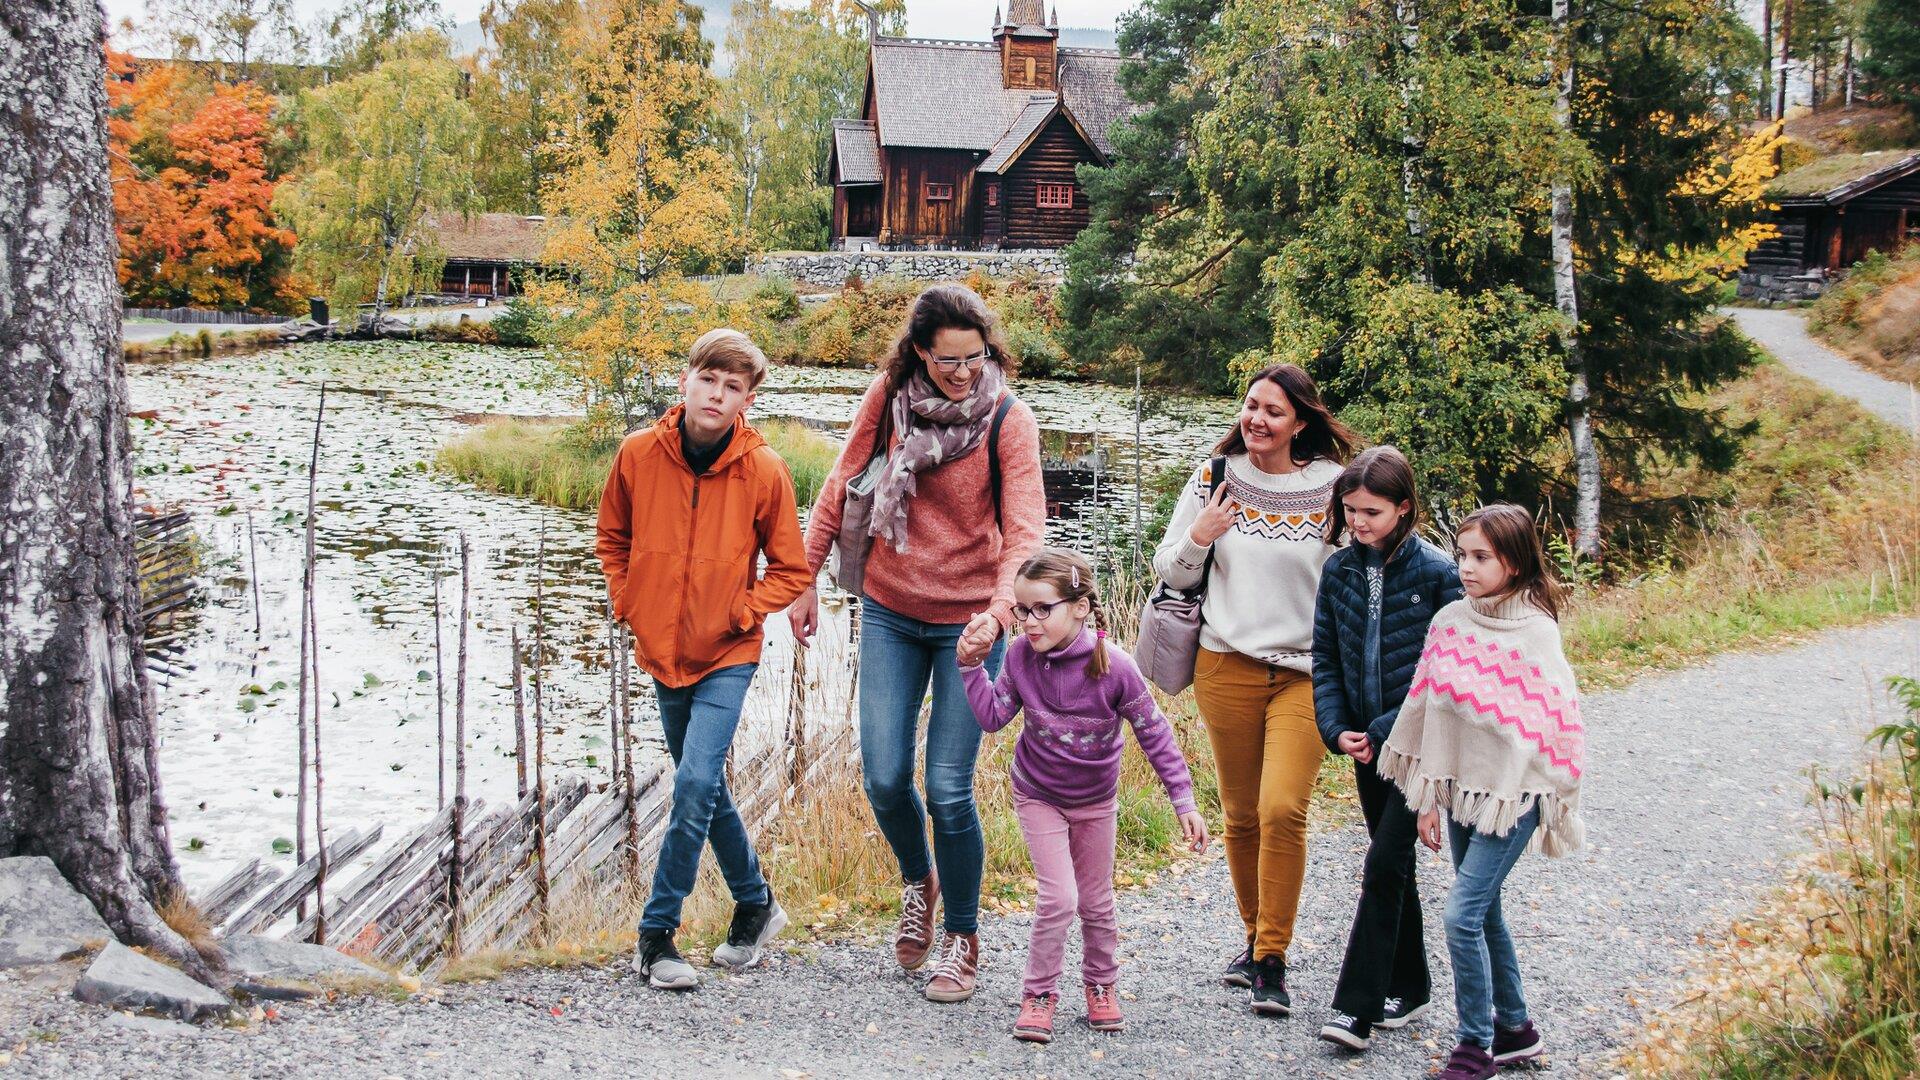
column 1072, row 854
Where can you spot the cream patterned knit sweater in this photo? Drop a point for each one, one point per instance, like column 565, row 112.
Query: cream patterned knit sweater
column 1491, row 728
column 1266, row 567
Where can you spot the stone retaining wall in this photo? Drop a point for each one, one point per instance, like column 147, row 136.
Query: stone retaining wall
column 1775, row 288
column 830, row 269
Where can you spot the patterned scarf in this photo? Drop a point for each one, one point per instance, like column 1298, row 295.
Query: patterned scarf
column 948, row 429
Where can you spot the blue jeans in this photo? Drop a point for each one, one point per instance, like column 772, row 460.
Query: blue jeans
column 898, row 656
column 700, row 721
column 1486, row 972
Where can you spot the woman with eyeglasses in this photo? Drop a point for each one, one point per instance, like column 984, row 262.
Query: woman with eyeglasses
column 1257, row 541
column 944, row 555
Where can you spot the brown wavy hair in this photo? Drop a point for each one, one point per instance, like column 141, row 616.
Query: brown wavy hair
column 1515, row 540
column 1072, row 577
column 1323, row 437
column 1383, row 471
column 942, row 307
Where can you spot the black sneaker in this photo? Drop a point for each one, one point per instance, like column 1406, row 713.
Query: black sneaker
column 1520, row 1044
column 753, row 926
column 1346, row 1031
column 1399, row 1013
column 1240, row 971
column 662, row 964
column 1270, row 987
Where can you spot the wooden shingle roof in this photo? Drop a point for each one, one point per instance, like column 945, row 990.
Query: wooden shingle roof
column 857, row 147
column 947, row 95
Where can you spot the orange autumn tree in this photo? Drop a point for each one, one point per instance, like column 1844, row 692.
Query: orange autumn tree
column 192, row 196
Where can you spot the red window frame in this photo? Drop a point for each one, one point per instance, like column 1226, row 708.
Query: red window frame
column 1053, row 196
column 939, row 192
column 993, row 194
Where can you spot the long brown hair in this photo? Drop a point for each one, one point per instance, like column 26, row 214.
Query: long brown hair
column 1323, row 437
column 1072, row 577
column 1515, row 540
column 1382, row 471
column 942, row 307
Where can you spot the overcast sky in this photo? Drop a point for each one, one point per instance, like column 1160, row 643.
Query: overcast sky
column 925, row 18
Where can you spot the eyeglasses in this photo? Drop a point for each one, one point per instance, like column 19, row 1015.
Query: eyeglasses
column 1040, row 612
column 948, row 366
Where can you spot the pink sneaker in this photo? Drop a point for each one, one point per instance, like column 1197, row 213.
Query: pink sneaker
column 1103, row 1009
column 1036, row 1018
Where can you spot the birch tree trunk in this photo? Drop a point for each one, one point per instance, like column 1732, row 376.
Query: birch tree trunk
column 1412, row 145
column 1586, row 454
column 78, row 776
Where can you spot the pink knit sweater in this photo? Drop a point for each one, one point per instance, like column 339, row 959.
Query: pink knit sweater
column 956, row 562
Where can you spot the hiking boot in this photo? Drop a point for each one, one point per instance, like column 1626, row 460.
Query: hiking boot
column 1103, row 1009
column 661, row 963
column 913, row 942
column 959, row 966
column 1344, row 1030
column 1036, row 1018
column 1270, row 987
column 1399, row 1013
column 753, row 926
column 1520, row 1044
column 1468, row 1062
column 1240, row 971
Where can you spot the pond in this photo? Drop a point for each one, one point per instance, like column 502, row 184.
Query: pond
column 227, row 439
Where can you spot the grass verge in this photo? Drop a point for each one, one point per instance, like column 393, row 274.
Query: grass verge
column 1818, row 526
column 559, row 464
column 1823, row 981
column 1873, row 315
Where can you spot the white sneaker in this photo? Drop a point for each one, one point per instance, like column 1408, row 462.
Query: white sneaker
column 753, row 926
column 661, row 963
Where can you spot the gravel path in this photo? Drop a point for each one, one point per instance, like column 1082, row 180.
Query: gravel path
column 1697, row 788
column 1783, row 332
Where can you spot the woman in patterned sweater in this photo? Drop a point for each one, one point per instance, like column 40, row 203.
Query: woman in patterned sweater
column 1265, row 530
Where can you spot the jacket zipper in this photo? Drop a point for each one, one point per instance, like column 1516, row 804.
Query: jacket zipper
column 686, row 571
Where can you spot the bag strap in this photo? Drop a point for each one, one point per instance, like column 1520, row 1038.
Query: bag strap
column 993, row 453
column 1216, row 475
column 882, row 428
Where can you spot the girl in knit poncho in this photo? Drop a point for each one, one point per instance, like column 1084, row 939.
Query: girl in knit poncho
column 1491, row 738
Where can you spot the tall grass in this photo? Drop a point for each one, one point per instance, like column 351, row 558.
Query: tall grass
column 1873, row 314
column 1824, row 981
column 562, row 464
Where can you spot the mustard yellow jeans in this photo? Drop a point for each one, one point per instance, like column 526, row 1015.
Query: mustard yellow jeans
column 1267, row 753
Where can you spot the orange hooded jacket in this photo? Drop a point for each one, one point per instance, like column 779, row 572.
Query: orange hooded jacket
column 681, row 552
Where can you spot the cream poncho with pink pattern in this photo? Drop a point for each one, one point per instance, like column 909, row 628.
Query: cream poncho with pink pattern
column 1491, row 728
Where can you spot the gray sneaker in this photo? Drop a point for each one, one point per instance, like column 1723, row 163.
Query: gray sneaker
column 753, row 926
column 661, row 963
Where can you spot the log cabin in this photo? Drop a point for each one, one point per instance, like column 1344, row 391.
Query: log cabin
column 487, row 254
column 974, row 144
column 1828, row 215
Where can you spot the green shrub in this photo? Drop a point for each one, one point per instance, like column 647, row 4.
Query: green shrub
column 524, row 324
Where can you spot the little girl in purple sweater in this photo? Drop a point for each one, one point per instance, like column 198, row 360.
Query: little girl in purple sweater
column 1077, row 694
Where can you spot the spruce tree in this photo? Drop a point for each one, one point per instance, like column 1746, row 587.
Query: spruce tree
column 1891, row 29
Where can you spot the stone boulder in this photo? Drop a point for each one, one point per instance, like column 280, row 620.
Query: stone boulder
column 42, row 918
column 267, row 962
column 125, row 979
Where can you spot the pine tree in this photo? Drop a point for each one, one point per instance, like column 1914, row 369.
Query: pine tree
column 1891, row 29
column 1160, row 275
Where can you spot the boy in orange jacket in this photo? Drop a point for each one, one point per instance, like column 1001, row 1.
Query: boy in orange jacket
column 690, row 506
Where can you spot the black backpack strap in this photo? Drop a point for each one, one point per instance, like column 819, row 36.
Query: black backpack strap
column 993, row 453
column 1216, row 475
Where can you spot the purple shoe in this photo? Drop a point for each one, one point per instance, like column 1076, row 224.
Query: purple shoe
column 1468, row 1062
column 1520, row 1044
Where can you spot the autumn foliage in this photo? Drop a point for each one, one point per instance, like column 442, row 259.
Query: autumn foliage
column 192, row 193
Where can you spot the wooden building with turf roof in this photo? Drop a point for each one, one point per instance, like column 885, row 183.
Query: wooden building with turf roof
column 1829, row 214
column 973, row 144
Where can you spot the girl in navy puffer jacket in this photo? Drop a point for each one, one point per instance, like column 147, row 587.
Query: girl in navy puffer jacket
column 1376, row 597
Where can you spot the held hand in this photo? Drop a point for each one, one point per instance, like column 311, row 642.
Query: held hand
column 970, row 653
column 1356, row 745
column 1215, row 518
column 1194, row 828
column 804, row 615
column 1430, row 829
column 982, row 630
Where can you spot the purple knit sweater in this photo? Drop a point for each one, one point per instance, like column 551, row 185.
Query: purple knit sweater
column 1069, row 751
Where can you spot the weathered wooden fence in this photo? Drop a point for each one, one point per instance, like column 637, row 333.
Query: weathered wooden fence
column 202, row 315
column 405, row 909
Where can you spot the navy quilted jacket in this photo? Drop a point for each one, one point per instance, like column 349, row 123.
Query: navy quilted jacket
column 1363, row 663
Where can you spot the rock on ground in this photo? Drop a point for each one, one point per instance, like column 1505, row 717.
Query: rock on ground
column 123, row 978
column 42, row 918
column 272, row 960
